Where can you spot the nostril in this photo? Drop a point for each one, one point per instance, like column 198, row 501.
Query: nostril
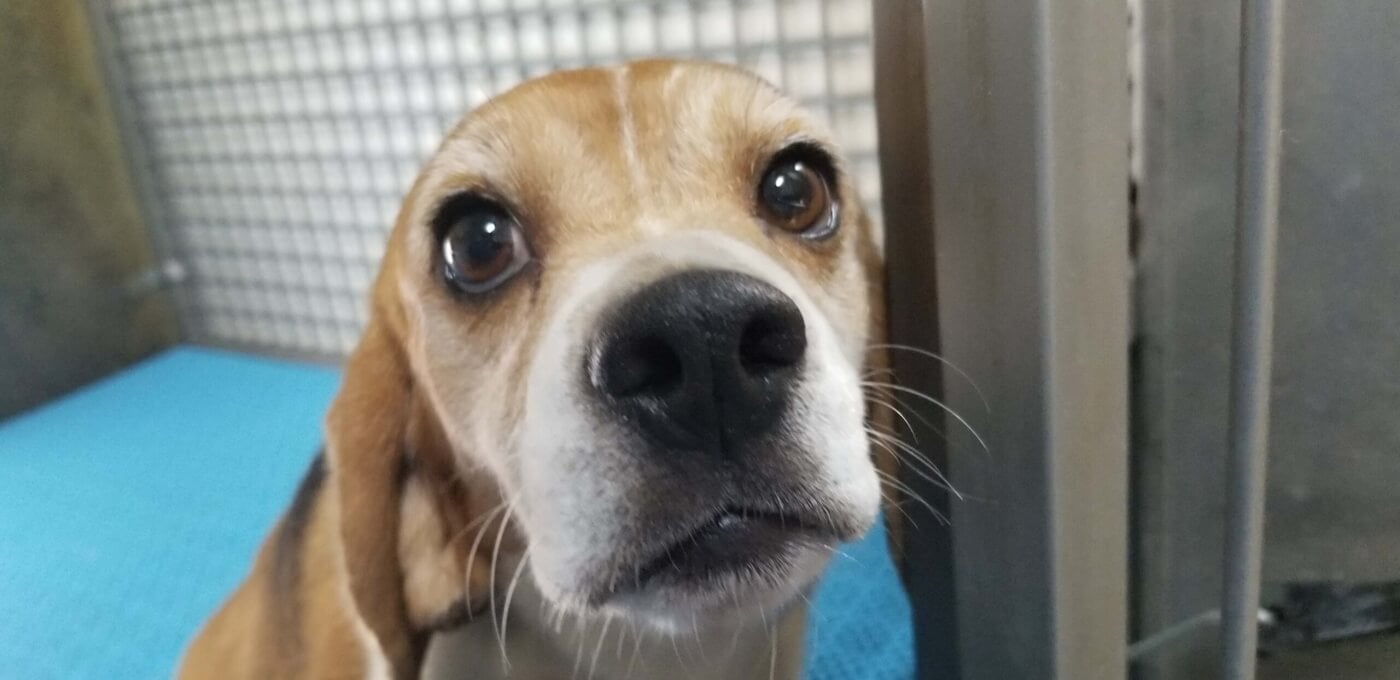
column 775, row 338
column 640, row 365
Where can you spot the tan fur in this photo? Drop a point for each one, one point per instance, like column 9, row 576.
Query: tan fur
column 407, row 487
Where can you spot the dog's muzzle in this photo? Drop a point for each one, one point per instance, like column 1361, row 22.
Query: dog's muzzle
column 700, row 362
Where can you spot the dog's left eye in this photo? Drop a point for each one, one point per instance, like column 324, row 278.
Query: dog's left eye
column 482, row 247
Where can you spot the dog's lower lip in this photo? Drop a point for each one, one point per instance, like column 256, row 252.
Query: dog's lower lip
column 733, row 541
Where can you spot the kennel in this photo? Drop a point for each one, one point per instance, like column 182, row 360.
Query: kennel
column 1057, row 186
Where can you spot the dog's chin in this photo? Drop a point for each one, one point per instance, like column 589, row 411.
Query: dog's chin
column 685, row 597
column 734, row 564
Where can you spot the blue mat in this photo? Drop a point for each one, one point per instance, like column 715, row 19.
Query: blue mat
column 130, row 509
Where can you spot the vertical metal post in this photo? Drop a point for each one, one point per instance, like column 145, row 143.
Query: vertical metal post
column 1256, row 236
column 1029, row 124
column 902, row 115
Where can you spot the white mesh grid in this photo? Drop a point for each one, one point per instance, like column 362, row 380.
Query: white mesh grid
column 278, row 136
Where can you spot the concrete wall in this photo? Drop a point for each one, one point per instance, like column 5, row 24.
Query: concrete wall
column 71, row 235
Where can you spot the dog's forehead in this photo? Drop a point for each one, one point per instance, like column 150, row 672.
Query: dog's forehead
column 612, row 144
column 650, row 106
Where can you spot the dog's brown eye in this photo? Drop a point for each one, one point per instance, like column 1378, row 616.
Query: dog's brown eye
column 482, row 248
column 795, row 197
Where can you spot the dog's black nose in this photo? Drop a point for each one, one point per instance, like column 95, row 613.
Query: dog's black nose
column 701, row 360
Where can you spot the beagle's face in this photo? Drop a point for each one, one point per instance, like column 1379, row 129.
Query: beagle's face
column 637, row 299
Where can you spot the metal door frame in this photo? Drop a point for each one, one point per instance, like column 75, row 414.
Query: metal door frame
column 1027, row 231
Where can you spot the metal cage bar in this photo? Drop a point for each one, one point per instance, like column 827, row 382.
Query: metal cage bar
column 1256, row 238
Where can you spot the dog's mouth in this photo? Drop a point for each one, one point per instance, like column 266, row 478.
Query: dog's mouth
column 733, row 548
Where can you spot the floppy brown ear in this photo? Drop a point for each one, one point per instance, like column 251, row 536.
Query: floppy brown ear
column 364, row 434
column 445, row 518
column 407, row 515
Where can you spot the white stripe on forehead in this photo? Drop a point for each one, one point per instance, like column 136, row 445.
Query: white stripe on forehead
column 622, row 90
column 630, row 155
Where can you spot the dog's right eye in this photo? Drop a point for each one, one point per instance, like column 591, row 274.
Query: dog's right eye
column 482, row 247
column 795, row 194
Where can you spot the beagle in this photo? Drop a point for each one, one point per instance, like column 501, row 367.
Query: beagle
column 607, row 416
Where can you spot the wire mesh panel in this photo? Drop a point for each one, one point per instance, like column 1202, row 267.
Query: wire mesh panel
column 275, row 138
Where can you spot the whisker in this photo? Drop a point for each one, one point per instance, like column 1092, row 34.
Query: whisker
column 636, row 649
column 900, row 485
column 676, row 648
column 484, row 518
column 842, row 554
column 897, row 504
column 772, row 652
column 734, row 639
column 699, row 644
column 913, row 410
column 939, row 358
column 913, row 495
column 597, row 649
column 898, row 413
column 896, row 454
column 491, row 592
column 621, row 635
column 578, row 651
column 808, row 601
column 901, row 449
column 942, row 481
column 471, row 555
column 877, row 371
column 907, row 492
column 939, row 404
column 505, row 608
